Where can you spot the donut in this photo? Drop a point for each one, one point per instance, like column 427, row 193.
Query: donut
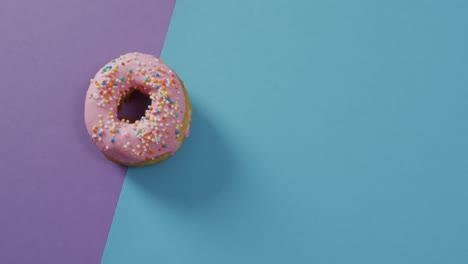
column 159, row 133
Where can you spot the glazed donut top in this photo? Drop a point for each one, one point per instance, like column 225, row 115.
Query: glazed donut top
column 158, row 131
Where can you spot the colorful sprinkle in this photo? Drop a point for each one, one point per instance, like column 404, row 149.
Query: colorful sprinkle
column 106, row 68
column 160, row 125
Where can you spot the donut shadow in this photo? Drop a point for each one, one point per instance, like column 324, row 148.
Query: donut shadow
column 196, row 174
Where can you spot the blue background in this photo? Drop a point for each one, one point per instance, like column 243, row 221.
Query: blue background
column 323, row 132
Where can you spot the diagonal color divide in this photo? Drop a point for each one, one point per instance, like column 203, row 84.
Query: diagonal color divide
column 57, row 192
column 324, row 132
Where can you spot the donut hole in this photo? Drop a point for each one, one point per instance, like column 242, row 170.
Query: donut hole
column 133, row 105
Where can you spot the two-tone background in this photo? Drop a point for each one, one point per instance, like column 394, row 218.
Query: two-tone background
column 323, row 132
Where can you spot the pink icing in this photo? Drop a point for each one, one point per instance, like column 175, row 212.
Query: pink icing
column 158, row 132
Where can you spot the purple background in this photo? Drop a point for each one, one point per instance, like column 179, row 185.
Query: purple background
column 57, row 192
